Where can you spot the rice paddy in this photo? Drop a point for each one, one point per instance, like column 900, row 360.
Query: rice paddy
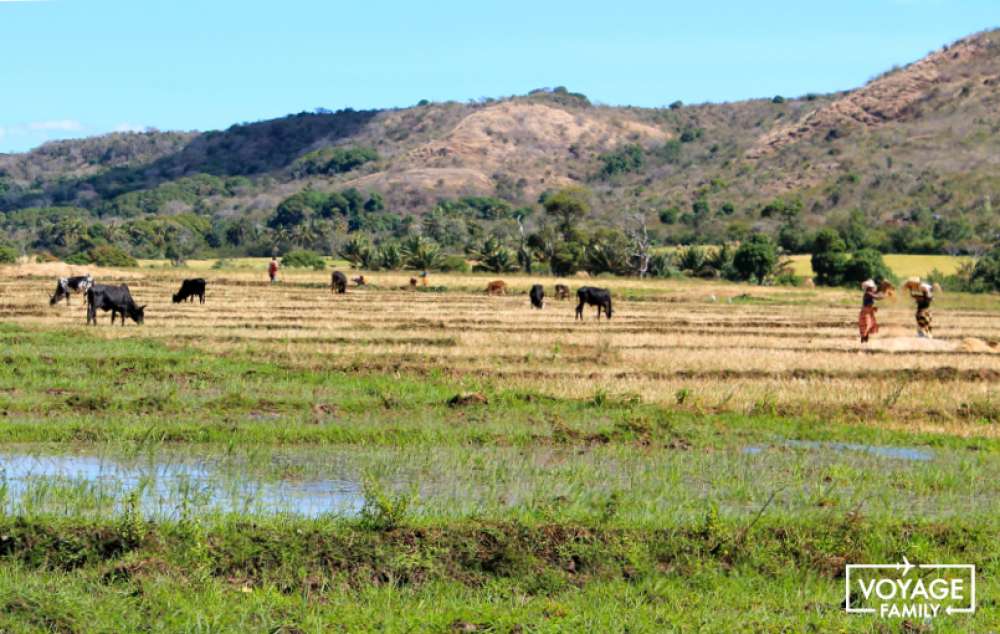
column 707, row 459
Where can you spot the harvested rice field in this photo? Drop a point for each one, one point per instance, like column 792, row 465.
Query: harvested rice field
column 709, row 459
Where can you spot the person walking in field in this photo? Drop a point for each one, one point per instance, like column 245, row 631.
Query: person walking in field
column 272, row 270
column 867, row 324
column 923, row 294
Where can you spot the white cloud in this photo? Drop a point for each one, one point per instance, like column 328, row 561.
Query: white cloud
column 61, row 125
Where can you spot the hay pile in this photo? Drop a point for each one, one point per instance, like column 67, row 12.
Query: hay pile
column 920, row 344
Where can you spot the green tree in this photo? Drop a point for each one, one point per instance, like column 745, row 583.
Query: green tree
column 829, row 257
column 566, row 258
column 865, row 264
column 608, row 251
column 630, row 158
column 357, row 251
column 296, row 209
column 986, row 273
column 421, row 254
column 755, row 258
column 568, row 206
column 494, row 257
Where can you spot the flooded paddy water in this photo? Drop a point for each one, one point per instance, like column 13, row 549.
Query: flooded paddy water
column 633, row 484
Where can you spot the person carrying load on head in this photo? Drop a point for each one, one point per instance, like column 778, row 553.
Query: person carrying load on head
column 867, row 324
column 923, row 294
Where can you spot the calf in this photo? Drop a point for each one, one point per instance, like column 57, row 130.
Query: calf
column 593, row 296
column 117, row 299
column 338, row 282
column 537, row 295
column 562, row 291
column 497, row 287
column 69, row 285
column 191, row 289
column 359, row 280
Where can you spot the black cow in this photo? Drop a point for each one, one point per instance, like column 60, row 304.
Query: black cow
column 66, row 286
column 117, row 299
column 338, row 282
column 191, row 289
column 593, row 296
column 537, row 295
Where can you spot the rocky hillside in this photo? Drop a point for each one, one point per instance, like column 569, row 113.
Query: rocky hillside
column 918, row 144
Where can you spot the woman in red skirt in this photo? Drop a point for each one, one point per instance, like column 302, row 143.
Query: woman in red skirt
column 867, row 324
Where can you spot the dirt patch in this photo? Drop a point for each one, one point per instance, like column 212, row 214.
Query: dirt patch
column 462, row 400
column 891, row 97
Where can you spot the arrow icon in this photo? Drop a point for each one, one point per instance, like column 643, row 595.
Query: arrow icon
column 906, row 566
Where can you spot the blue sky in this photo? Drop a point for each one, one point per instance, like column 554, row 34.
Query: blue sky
column 72, row 68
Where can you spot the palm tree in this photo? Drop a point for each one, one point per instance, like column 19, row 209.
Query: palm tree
column 421, row 254
column 496, row 258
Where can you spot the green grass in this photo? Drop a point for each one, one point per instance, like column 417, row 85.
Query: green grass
column 528, row 513
column 239, row 576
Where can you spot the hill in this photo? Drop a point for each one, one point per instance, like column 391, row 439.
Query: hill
column 906, row 163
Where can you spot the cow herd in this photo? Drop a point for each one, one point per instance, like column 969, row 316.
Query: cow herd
column 117, row 299
column 587, row 295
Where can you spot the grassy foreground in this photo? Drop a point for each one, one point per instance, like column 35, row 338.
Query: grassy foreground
column 653, row 519
column 502, row 577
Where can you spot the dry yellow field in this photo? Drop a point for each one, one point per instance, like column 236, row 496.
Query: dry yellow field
column 902, row 264
column 711, row 347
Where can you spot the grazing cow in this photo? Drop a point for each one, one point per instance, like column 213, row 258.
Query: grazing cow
column 191, row 289
column 117, row 299
column 537, row 295
column 496, row 287
column 593, row 296
column 338, row 282
column 562, row 291
column 66, row 286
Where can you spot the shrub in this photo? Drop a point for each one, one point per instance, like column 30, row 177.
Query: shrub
column 986, row 272
column 381, row 511
column 104, row 255
column 669, row 152
column 566, row 259
column 778, row 99
column 691, row 134
column 865, row 264
column 669, row 216
column 630, row 158
column 303, row 259
column 829, row 258
column 787, row 277
column 421, row 254
column 8, row 255
column 691, row 259
column 756, row 258
column 494, row 257
column 453, row 264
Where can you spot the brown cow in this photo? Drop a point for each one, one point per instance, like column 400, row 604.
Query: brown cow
column 496, row 287
column 562, row 291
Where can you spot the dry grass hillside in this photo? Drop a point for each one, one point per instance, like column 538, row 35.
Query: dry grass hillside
column 921, row 137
